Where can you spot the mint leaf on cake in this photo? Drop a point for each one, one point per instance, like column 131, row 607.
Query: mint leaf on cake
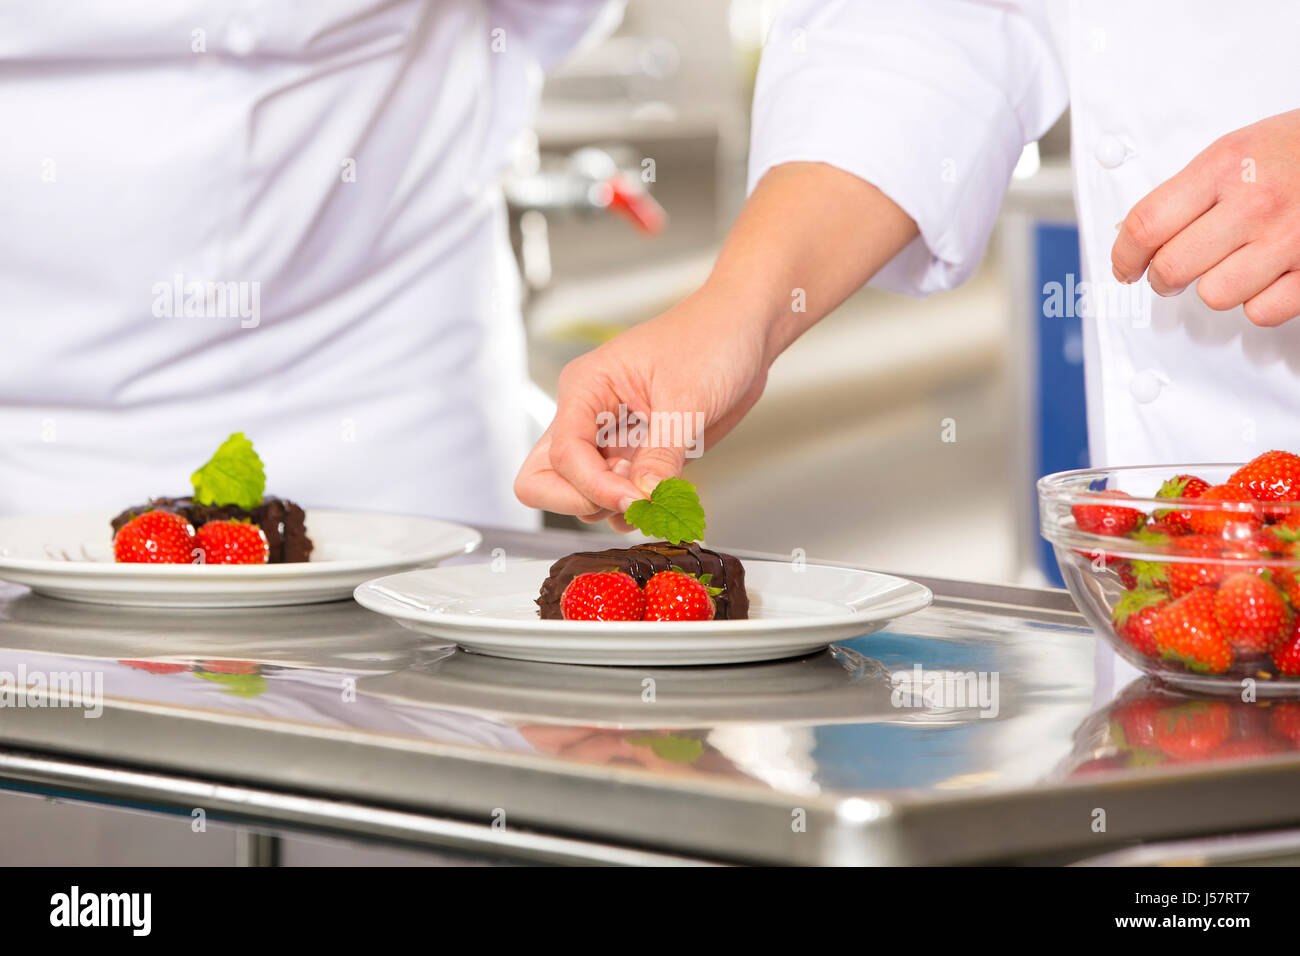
column 233, row 476
column 673, row 512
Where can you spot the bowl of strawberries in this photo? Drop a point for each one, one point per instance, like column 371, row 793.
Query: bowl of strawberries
column 1191, row 572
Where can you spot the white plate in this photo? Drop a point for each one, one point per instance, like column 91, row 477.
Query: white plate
column 794, row 610
column 71, row 557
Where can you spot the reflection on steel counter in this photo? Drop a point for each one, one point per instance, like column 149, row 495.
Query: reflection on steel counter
column 1150, row 725
column 938, row 740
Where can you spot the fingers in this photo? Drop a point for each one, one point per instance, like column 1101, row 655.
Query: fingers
column 651, row 464
column 538, row 485
column 576, row 459
column 1240, row 277
column 1195, row 250
column 1279, row 303
column 618, row 524
column 1158, row 217
column 620, row 467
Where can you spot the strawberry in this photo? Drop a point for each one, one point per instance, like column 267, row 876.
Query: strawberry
column 232, row 542
column 1240, row 748
column 230, row 667
column 1272, row 476
column 1282, row 538
column 603, row 596
column 1288, row 582
column 1287, row 519
column 1286, row 655
column 1170, row 521
column 1135, row 721
column 1111, row 520
column 156, row 667
column 676, row 596
column 1187, row 630
column 1252, row 614
column 1141, row 574
column 1193, row 730
column 1235, row 522
column 1127, row 575
column 1185, row 576
column 1284, row 721
column 155, row 537
column 1135, row 616
column 1166, row 528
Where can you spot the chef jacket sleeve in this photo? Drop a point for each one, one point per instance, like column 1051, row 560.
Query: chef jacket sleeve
column 551, row 29
column 931, row 101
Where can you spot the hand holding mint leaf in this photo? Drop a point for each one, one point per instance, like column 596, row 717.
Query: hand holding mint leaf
column 233, row 476
column 673, row 512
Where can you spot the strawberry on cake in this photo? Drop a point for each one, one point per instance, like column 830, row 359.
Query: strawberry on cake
column 228, row 520
column 676, row 579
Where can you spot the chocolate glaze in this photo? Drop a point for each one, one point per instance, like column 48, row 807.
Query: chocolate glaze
column 281, row 521
column 643, row 562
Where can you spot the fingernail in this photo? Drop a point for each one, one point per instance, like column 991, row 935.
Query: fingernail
column 647, row 483
column 622, row 467
column 1120, row 224
column 625, row 503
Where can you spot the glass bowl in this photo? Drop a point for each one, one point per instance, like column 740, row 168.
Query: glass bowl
column 1199, row 593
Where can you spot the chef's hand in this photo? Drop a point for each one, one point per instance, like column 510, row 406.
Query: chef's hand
column 1230, row 219
column 808, row 237
column 697, row 357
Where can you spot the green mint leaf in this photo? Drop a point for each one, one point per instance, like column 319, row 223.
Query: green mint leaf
column 233, row 476
column 241, row 685
column 674, row 748
column 673, row 512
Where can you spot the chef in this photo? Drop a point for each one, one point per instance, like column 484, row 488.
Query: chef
column 884, row 139
column 272, row 218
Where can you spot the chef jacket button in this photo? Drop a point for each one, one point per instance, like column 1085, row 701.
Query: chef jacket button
column 240, row 39
column 1145, row 386
column 1110, row 151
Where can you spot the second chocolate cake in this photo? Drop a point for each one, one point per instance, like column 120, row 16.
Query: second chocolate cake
column 642, row 563
column 282, row 522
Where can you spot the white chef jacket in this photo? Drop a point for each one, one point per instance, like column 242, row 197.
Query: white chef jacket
column 337, row 156
column 932, row 102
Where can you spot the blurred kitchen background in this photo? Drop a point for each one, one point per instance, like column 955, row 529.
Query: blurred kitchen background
column 845, row 456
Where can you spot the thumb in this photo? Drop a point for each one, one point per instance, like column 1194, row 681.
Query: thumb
column 652, row 464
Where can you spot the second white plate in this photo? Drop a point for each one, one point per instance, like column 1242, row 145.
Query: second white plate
column 794, row 610
column 71, row 557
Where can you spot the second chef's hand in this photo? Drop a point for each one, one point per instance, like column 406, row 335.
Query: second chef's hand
column 1230, row 219
column 808, row 237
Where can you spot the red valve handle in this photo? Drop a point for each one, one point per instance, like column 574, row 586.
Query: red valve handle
column 628, row 199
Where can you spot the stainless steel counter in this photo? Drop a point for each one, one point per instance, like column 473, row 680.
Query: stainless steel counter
column 330, row 719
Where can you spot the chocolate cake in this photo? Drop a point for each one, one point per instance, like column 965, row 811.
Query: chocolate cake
column 281, row 521
column 643, row 562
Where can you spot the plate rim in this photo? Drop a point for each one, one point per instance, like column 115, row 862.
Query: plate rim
column 191, row 572
column 921, row 598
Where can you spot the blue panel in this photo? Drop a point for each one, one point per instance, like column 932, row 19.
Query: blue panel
column 1061, row 437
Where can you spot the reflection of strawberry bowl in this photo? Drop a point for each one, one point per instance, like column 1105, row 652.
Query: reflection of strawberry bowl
column 1191, row 572
column 1149, row 725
